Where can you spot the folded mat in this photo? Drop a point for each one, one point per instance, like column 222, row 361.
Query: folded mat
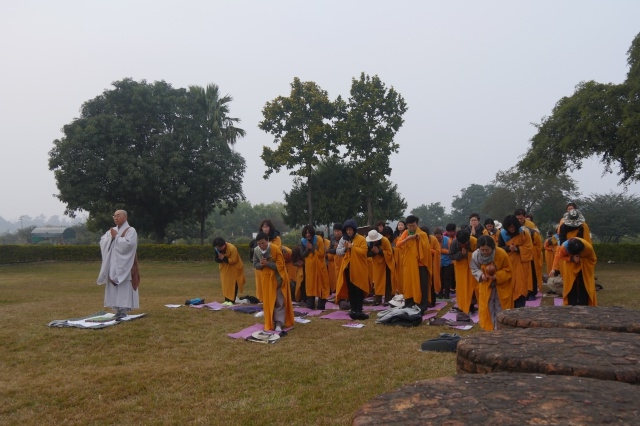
column 100, row 319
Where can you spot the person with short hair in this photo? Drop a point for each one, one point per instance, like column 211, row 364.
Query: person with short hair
column 491, row 229
column 516, row 241
column 491, row 267
column 446, row 264
column 536, row 261
column 575, row 261
column 231, row 270
column 416, row 248
column 316, row 277
column 268, row 260
column 353, row 281
column 476, row 228
column 460, row 252
column 118, row 247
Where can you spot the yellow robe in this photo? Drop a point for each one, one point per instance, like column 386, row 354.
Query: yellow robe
column 550, row 245
column 232, row 273
column 520, row 263
column 355, row 259
column 316, row 278
column 569, row 270
column 436, row 251
column 269, row 280
column 466, row 284
column 277, row 241
column 504, row 288
column 380, row 265
column 415, row 253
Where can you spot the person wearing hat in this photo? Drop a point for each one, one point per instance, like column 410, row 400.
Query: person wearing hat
column 353, row 282
column 576, row 260
column 381, row 255
column 516, row 241
column 491, row 229
column 416, row 255
column 573, row 225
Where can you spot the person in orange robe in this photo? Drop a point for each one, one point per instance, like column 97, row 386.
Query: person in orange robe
column 491, row 267
column 381, row 255
column 267, row 227
column 335, row 261
column 416, row 261
column 316, row 277
column 516, row 241
column 231, row 269
column 460, row 252
column 576, row 262
column 526, row 221
column 276, row 291
column 353, row 281
column 550, row 246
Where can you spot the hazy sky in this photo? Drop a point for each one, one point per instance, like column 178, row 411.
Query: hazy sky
column 474, row 74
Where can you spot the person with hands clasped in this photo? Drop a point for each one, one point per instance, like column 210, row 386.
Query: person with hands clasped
column 576, row 260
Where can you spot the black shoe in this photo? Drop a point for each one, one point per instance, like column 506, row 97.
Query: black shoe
column 353, row 315
column 363, row 316
column 531, row 297
column 473, row 309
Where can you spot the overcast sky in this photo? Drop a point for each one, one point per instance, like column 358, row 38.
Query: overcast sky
column 474, row 74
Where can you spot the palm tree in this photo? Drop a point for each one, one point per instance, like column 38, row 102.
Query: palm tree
column 217, row 109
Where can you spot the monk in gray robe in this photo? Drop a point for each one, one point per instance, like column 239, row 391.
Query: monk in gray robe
column 118, row 246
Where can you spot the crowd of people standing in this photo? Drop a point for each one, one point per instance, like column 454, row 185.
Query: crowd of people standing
column 496, row 266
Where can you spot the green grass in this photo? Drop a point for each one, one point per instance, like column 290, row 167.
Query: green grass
column 178, row 366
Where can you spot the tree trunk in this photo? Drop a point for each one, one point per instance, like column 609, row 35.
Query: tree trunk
column 309, row 204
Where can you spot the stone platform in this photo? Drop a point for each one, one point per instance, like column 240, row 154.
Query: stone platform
column 602, row 318
column 505, row 399
column 603, row 355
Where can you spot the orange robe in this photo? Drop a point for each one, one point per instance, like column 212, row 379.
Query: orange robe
column 415, row 253
column 504, row 288
column 380, row 265
column 277, row 241
column 316, row 278
column 569, row 270
column 272, row 282
column 355, row 259
column 232, row 273
column 520, row 262
column 436, row 251
column 550, row 245
column 466, row 284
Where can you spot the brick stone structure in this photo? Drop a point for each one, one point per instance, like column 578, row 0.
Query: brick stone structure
column 505, row 399
column 602, row 318
column 601, row 355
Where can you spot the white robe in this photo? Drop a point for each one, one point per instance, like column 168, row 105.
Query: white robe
column 117, row 260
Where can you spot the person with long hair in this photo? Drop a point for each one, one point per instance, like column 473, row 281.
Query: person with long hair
column 316, row 277
column 353, row 281
column 491, row 267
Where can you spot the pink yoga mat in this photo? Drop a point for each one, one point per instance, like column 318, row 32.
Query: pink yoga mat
column 532, row 303
column 339, row 315
column 558, row 301
column 429, row 315
column 243, row 334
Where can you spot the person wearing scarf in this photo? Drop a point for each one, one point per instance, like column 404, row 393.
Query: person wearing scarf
column 268, row 261
column 316, row 277
column 491, row 267
column 516, row 241
column 575, row 261
column 573, row 225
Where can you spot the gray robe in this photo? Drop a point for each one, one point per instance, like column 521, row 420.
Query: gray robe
column 117, row 260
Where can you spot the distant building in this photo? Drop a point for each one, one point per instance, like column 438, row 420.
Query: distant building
column 57, row 235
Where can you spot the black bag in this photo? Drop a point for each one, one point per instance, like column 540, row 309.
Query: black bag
column 445, row 343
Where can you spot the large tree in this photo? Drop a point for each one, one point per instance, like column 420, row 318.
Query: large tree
column 470, row 200
column 302, row 126
column 612, row 217
column 143, row 147
column 432, row 215
column 545, row 196
column 598, row 119
column 337, row 199
column 373, row 117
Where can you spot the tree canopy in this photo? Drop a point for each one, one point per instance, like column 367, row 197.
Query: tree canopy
column 302, row 126
column 150, row 149
column 611, row 217
column 598, row 119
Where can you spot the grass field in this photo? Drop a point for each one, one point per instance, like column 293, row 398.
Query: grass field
column 177, row 366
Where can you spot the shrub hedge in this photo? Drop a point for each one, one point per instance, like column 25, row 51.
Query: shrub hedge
column 164, row 252
column 175, row 252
